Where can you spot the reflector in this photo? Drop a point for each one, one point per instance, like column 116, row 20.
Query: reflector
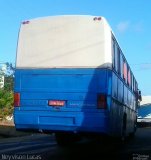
column 16, row 99
column 102, row 101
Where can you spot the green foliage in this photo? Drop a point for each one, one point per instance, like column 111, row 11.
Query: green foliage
column 9, row 83
column 6, row 103
column 6, row 93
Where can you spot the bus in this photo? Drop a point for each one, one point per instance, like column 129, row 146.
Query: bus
column 72, row 78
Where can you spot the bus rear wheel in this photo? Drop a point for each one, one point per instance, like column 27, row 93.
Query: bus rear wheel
column 132, row 134
column 123, row 136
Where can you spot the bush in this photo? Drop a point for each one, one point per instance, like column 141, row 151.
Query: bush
column 6, row 93
column 6, row 103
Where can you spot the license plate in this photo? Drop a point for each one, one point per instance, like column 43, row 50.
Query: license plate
column 56, row 103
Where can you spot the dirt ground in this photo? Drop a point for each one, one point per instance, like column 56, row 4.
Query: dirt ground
column 7, row 129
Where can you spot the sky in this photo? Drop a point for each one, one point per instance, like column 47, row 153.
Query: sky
column 130, row 21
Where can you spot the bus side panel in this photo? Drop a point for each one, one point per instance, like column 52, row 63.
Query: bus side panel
column 116, row 109
column 122, row 105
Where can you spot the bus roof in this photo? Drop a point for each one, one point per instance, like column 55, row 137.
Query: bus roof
column 64, row 41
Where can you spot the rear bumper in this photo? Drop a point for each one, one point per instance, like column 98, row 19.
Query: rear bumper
column 62, row 121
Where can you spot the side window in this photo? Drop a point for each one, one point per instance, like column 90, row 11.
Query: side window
column 116, row 58
column 118, row 61
column 134, row 84
column 132, row 81
column 136, row 88
column 121, row 64
column 113, row 53
column 129, row 77
column 125, row 71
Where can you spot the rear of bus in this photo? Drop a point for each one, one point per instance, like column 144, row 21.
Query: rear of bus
column 63, row 77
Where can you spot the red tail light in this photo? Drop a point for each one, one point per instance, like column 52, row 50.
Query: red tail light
column 102, row 101
column 16, row 99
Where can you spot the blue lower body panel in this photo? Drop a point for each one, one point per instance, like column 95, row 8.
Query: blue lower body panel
column 79, row 88
column 58, row 121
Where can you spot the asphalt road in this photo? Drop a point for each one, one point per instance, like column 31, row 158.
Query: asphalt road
column 44, row 147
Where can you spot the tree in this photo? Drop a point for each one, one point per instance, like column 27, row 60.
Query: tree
column 6, row 93
column 9, row 77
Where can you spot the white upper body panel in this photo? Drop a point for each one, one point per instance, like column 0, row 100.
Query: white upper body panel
column 64, row 41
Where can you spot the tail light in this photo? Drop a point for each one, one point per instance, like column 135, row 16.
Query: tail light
column 102, row 101
column 16, row 99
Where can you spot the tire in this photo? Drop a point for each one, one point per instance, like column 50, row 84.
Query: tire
column 132, row 135
column 123, row 136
